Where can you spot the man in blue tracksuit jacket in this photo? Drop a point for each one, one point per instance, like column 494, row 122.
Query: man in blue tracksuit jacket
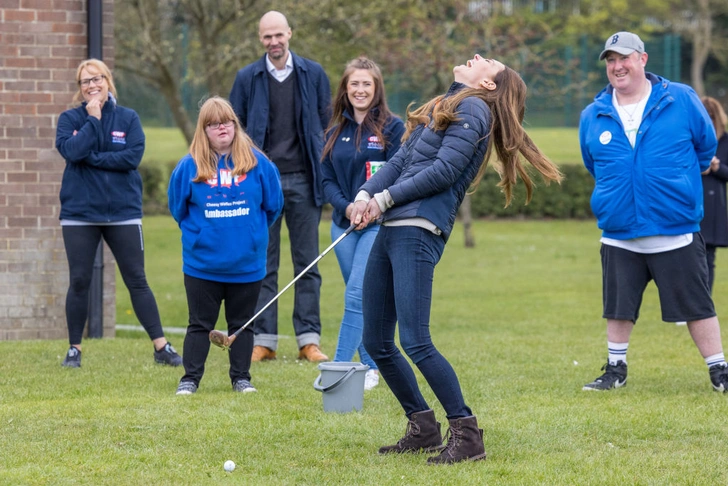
column 283, row 103
column 646, row 141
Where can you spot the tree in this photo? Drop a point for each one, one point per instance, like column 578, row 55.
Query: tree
column 172, row 42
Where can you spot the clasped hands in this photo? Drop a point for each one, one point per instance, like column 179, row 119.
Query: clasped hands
column 714, row 165
column 361, row 213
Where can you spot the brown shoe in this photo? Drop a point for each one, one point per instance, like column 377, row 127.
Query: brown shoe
column 261, row 353
column 311, row 352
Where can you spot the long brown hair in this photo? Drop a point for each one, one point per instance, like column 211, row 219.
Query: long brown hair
column 716, row 113
column 219, row 110
column 507, row 103
column 378, row 115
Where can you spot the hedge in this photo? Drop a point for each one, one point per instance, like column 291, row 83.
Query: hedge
column 570, row 199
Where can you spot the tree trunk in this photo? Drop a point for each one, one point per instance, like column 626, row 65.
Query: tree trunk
column 702, row 37
column 466, row 214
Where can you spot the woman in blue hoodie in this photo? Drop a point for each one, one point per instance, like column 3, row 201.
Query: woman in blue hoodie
column 101, row 197
column 224, row 195
column 362, row 136
column 416, row 194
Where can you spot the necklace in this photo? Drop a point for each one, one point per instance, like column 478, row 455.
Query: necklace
column 629, row 114
column 636, row 105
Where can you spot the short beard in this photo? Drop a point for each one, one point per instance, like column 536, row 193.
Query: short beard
column 278, row 56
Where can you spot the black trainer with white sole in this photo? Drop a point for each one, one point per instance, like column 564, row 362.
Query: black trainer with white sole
column 73, row 358
column 168, row 356
column 615, row 376
column 719, row 377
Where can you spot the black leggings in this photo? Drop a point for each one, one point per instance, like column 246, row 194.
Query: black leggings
column 127, row 245
column 204, row 299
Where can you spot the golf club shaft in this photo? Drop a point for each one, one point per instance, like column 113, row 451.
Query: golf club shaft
column 303, row 272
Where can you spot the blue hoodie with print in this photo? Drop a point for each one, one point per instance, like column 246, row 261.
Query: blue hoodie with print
column 224, row 221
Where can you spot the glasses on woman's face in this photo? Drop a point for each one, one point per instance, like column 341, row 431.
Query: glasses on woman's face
column 217, row 125
column 96, row 80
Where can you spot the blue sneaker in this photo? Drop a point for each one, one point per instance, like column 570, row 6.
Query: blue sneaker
column 186, row 388
column 243, row 386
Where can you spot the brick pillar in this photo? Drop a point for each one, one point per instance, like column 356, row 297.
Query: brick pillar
column 41, row 44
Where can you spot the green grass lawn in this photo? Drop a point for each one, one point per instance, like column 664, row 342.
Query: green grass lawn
column 518, row 316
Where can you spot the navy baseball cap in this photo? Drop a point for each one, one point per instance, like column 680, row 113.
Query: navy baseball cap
column 624, row 43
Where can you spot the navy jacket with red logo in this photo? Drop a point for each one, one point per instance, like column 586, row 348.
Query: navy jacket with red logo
column 347, row 167
column 101, row 182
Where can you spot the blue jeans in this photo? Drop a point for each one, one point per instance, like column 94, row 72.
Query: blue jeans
column 398, row 287
column 302, row 220
column 352, row 253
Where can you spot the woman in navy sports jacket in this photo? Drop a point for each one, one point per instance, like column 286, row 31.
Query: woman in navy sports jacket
column 362, row 136
column 101, row 197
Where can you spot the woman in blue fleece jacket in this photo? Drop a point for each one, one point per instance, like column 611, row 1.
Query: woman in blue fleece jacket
column 362, row 136
column 224, row 195
column 101, row 197
column 417, row 194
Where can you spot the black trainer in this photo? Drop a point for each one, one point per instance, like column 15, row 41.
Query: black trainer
column 243, row 386
column 186, row 388
column 73, row 358
column 168, row 356
column 719, row 377
column 614, row 376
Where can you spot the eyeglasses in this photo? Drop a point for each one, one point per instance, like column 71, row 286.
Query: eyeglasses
column 226, row 124
column 96, row 80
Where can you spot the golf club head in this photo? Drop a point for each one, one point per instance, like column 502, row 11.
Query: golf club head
column 220, row 339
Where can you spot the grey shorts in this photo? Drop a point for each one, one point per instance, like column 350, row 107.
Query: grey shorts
column 681, row 277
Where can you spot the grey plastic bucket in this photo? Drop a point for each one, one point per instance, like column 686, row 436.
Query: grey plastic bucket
column 342, row 385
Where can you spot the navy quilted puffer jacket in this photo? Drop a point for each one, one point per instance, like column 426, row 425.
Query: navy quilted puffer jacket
column 429, row 175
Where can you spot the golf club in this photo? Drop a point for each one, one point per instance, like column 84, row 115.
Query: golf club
column 222, row 340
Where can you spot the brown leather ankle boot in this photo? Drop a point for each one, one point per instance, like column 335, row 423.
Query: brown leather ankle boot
column 422, row 435
column 465, row 442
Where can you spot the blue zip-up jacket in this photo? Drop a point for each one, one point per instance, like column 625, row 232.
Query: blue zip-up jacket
column 429, row 175
column 347, row 166
column 101, row 183
column 224, row 221
column 655, row 188
column 250, row 100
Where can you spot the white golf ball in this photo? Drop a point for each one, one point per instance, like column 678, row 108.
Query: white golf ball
column 229, row 466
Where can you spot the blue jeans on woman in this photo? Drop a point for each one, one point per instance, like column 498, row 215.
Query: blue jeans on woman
column 352, row 253
column 398, row 287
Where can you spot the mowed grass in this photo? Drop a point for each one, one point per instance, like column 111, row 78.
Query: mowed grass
column 518, row 316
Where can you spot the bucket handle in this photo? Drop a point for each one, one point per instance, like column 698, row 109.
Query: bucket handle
column 317, row 381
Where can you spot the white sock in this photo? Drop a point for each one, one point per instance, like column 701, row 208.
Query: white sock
column 617, row 352
column 715, row 359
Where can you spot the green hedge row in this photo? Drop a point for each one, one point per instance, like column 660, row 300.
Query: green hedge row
column 570, row 199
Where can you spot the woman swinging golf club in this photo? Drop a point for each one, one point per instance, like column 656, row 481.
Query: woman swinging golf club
column 417, row 195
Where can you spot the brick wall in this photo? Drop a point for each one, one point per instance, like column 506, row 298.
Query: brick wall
column 41, row 44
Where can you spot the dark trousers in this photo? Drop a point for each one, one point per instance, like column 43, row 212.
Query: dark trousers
column 204, row 298
column 127, row 245
column 398, row 289
column 302, row 220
